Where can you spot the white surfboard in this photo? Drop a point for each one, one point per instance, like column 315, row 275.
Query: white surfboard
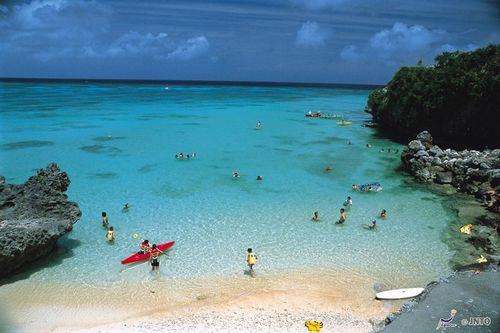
column 400, row 293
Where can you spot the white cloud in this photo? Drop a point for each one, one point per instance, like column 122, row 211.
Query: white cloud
column 191, row 48
column 402, row 37
column 66, row 29
column 399, row 44
column 310, row 34
column 453, row 48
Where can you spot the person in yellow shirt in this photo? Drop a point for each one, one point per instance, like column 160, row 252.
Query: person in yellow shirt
column 251, row 260
column 111, row 234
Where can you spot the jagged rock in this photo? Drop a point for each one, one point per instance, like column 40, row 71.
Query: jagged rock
column 425, row 138
column 415, row 146
column 435, row 151
column 33, row 216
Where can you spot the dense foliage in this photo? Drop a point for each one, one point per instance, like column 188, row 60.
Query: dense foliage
column 457, row 99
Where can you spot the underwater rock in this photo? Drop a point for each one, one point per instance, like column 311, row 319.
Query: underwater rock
column 33, row 216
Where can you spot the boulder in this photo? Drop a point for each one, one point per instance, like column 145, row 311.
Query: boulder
column 415, row 146
column 33, row 216
column 425, row 138
column 444, row 177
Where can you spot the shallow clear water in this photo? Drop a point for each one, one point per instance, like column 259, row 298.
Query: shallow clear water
column 117, row 142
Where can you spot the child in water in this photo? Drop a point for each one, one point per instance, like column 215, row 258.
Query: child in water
column 251, row 260
column 111, row 234
column 343, row 216
column 348, row 203
column 315, row 216
column 105, row 221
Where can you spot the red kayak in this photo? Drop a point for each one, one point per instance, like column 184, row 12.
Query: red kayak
column 140, row 257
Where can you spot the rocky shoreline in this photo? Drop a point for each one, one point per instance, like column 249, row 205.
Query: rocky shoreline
column 469, row 171
column 33, row 216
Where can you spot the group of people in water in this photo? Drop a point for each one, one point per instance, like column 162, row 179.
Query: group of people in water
column 343, row 215
column 237, row 175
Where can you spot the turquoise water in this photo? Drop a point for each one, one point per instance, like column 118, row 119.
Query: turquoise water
column 117, row 142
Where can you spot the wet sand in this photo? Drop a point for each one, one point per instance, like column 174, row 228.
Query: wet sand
column 271, row 303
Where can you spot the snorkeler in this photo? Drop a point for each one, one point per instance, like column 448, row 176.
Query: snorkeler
column 105, row 221
column 111, row 234
column 259, row 177
column 236, row 175
column 343, row 216
column 251, row 260
column 315, row 216
column 383, row 214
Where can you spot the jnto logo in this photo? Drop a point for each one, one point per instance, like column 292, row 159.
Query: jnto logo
column 447, row 322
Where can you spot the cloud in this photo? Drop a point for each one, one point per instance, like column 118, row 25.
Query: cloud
column 319, row 4
column 402, row 37
column 350, row 53
column 191, row 48
column 62, row 29
column 310, row 35
column 453, row 48
column 399, row 44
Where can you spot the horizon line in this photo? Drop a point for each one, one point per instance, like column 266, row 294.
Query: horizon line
column 196, row 82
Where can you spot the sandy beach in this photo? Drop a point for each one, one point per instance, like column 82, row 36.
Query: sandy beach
column 267, row 303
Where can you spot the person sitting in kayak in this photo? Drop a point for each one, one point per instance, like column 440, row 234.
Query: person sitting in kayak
column 153, row 258
column 105, row 221
column 111, row 234
column 251, row 260
column 144, row 247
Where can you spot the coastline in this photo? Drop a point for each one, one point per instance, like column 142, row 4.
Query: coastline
column 287, row 300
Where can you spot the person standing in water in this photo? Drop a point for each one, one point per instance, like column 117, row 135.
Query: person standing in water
column 343, row 216
column 315, row 216
column 105, row 221
column 111, row 234
column 153, row 258
column 383, row 214
column 251, row 260
column 348, row 203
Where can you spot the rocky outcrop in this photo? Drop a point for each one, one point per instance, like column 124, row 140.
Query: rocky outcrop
column 33, row 216
column 471, row 171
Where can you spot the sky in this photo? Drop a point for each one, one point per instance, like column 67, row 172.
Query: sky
column 328, row 41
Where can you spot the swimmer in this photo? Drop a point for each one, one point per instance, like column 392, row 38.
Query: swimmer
column 126, row 207
column 368, row 145
column 381, row 150
column 111, row 234
column 259, row 177
column 373, row 226
column 328, row 169
column 389, row 151
column 354, row 187
column 396, row 151
column 258, row 125
column 343, row 216
column 236, row 175
column 349, row 142
column 383, row 214
column 193, row 155
column 315, row 216
column 105, row 221
column 251, row 260
column 348, row 202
